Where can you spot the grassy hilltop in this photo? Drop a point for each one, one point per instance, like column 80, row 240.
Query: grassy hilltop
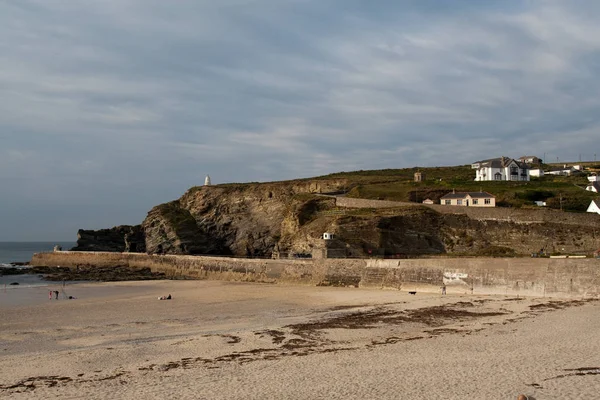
column 566, row 192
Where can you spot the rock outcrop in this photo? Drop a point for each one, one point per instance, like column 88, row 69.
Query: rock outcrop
column 123, row 238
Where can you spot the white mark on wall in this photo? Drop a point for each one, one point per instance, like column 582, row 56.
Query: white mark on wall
column 455, row 278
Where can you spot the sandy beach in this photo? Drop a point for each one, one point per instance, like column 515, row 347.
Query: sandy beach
column 222, row 340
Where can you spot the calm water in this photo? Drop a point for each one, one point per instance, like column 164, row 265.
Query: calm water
column 22, row 251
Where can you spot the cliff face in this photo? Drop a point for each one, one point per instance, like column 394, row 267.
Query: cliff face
column 246, row 220
column 288, row 220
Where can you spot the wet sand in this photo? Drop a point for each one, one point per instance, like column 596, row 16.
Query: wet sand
column 220, row 340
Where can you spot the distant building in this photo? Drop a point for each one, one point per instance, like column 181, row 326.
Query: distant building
column 207, row 180
column 593, row 177
column 501, row 169
column 593, row 187
column 536, row 172
column 594, row 207
column 469, row 199
column 564, row 171
column 530, row 160
column 540, row 203
column 328, row 236
column 419, row 176
column 428, row 201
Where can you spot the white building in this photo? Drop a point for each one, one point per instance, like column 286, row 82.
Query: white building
column 593, row 187
column 468, row 199
column 537, row 172
column 594, row 207
column 593, row 177
column 500, row 169
column 564, row 171
column 207, row 180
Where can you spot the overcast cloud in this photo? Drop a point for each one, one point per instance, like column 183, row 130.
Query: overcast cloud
column 109, row 107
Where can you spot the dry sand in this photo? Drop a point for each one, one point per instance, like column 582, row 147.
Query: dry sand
column 219, row 340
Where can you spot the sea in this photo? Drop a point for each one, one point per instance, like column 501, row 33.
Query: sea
column 30, row 288
column 11, row 252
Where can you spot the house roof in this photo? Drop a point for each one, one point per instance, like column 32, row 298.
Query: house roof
column 500, row 162
column 463, row 195
column 596, row 202
column 595, row 185
column 523, row 158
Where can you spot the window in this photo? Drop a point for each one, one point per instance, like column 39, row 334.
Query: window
column 475, row 202
column 447, row 202
column 459, row 202
column 498, row 176
column 488, row 201
column 514, row 170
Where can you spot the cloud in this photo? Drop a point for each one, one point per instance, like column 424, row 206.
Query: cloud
column 123, row 104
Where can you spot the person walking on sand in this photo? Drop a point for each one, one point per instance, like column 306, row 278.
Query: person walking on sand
column 56, row 293
column 443, row 290
column 49, row 294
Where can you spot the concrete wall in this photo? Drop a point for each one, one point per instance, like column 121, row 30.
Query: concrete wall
column 509, row 276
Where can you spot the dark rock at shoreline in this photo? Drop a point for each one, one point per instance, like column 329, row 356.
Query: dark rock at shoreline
column 13, row 271
column 124, row 238
column 90, row 273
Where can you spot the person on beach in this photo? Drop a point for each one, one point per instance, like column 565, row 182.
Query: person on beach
column 443, row 290
column 56, row 293
column 50, row 295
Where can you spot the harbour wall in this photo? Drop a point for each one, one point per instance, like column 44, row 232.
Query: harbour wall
column 565, row 277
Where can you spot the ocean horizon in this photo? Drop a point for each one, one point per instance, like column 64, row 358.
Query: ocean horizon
column 12, row 252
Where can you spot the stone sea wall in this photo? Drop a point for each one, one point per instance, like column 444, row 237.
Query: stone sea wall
column 509, row 276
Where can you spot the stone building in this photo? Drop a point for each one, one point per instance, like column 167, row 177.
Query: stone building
column 419, row 176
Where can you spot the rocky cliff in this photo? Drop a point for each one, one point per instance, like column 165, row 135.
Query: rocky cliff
column 124, row 238
column 288, row 219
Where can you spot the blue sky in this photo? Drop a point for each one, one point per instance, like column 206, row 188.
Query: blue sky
column 110, row 107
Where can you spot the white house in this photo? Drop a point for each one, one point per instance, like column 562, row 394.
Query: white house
column 564, row 171
column 593, row 187
column 469, row 199
column 500, row 169
column 537, row 172
column 594, row 207
column 593, row 177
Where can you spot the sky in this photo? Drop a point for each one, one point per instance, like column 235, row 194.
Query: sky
column 110, row 107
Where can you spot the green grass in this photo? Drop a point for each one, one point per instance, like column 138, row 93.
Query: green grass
column 398, row 185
